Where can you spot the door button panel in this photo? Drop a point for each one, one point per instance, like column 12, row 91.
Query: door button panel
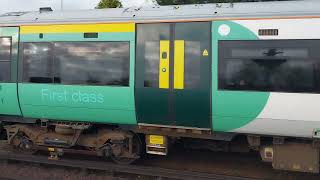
column 164, row 56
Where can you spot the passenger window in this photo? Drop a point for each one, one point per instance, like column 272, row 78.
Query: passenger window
column 5, row 59
column 37, row 62
column 92, row 63
column 5, row 49
column 269, row 65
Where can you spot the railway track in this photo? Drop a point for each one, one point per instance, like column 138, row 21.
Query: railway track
column 149, row 171
column 110, row 167
column 180, row 165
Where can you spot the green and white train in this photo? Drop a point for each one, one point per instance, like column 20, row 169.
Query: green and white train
column 104, row 80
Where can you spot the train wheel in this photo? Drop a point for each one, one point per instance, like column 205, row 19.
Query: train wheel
column 117, row 154
column 23, row 144
column 3, row 133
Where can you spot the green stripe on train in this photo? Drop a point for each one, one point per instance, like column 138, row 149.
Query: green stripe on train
column 232, row 109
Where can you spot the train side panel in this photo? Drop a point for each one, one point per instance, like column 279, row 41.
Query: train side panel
column 73, row 92
column 9, row 104
column 275, row 88
column 232, row 109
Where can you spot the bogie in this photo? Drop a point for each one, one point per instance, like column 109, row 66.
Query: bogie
column 123, row 147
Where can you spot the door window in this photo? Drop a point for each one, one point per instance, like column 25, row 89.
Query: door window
column 196, row 52
column 5, row 59
column 148, row 43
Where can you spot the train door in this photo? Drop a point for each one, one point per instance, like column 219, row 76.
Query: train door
column 8, row 71
column 173, row 74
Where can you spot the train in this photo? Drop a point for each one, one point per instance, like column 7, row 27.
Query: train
column 120, row 82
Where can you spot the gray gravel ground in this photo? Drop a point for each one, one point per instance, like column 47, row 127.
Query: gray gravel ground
column 27, row 171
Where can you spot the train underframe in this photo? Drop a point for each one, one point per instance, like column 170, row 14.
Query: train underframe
column 124, row 145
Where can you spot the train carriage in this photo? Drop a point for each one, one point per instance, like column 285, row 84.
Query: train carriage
column 103, row 80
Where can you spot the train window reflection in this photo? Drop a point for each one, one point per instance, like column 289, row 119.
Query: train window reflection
column 269, row 65
column 37, row 62
column 276, row 52
column 5, row 58
column 197, row 40
column 192, row 64
column 147, row 53
column 151, row 57
column 5, row 49
column 92, row 63
column 4, row 71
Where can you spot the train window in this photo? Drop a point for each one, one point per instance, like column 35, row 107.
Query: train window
column 192, row 64
column 5, row 71
column 269, row 65
column 92, row 63
column 5, row 49
column 37, row 62
column 147, row 54
column 196, row 37
column 5, row 58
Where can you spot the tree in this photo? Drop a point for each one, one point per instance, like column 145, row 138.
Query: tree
column 109, row 4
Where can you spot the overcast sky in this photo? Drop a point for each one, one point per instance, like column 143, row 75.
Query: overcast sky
column 31, row 5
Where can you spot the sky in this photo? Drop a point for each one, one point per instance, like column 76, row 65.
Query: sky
column 33, row 5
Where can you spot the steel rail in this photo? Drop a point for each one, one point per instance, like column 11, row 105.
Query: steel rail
column 115, row 168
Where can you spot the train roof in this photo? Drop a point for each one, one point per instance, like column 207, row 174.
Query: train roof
column 167, row 13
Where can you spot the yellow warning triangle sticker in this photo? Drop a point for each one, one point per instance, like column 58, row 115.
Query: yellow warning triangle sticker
column 205, row 53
